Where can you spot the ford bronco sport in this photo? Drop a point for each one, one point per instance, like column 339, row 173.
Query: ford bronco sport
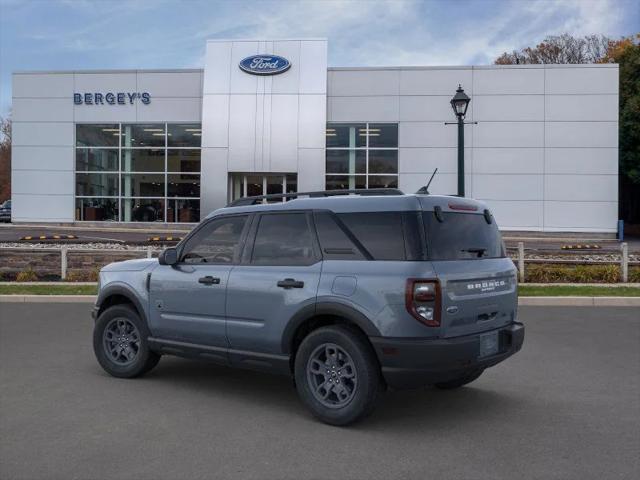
column 348, row 294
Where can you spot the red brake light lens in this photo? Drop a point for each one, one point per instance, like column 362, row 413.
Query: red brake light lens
column 422, row 300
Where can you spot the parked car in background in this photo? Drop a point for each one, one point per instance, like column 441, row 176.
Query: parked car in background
column 348, row 295
column 5, row 211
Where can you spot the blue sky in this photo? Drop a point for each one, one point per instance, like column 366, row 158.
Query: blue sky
column 105, row 34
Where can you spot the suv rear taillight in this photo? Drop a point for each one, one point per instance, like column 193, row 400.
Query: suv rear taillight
column 422, row 298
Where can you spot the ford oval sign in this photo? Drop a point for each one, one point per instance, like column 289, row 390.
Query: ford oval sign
column 265, row 64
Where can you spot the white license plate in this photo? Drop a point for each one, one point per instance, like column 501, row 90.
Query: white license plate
column 489, row 343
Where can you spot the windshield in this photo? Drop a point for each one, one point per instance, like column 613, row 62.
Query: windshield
column 462, row 236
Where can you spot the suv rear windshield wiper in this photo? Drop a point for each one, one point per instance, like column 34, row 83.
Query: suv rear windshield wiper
column 479, row 251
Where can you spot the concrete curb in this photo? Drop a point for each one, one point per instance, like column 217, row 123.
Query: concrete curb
column 522, row 301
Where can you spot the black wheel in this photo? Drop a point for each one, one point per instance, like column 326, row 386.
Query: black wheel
column 460, row 381
column 120, row 343
column 337, row 375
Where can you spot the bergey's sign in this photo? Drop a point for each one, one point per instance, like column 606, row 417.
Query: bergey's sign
column 110, row 98
column 265, row 64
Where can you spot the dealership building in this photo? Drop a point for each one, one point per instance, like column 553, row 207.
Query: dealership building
column 262, row 117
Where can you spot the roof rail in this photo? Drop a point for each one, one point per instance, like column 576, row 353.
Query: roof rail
column 244, row 201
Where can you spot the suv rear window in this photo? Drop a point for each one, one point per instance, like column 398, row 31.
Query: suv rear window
column 462, row 236
column 380, row 233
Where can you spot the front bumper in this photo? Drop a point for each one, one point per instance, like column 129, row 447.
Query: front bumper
column 409, row 363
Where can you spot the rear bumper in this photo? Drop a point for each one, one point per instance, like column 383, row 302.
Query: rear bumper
column 408, row 363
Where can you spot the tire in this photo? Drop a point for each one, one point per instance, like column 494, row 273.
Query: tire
column 460, row 381
column 134, row 358
column 341, row 359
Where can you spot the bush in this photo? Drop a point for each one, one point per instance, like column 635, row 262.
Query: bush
column 540, row 273
column 27, row 276
column 83, row 275
column 634, row 274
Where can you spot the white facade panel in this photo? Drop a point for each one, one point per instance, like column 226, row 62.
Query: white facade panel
column 508, row 81
column 242, row 132
column 508, row 187
column 431, row 134
column 517, row 215
column 217, row 80
column 312, row 121
column 441, row 81
column 241, row 82
column 428, row 108
column 506, row 134
column 602, row 161
column 581, row 107
column 171, row 84
column 47, row 134
column 171, row 110
column 214, row 168
column 289, row 83
column 313, row 58
column 311, row 169
column 584, row 188
column 42, row 110
column 42, row 182
column 425, row 160
column 215, row 121
column 42, row 158
column 508, row 160
column 106, row 82
column 43, row 85
column 571, row 80
column 582, row 134
column 42, row 208
column 105, row 113
column 370, row 83
column 510, row 108
column 581, row 216
column 374, row 109
column 284, row 134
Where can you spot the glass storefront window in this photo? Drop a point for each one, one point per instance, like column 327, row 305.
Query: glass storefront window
column 102, row 135
column 142, row 185
column 133, row 172
column 183, row 211
column 346, row 136
column 183, row 185
column 143, row 209
column 143, row 135
column 346, row 161
column 96, row 184
column 186, row 161
column 184, row 135
column 143, row 160
column 96, row 209
column 96, row 160
column 364, row 151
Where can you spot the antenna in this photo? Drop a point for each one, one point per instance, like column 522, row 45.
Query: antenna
column 425, row 190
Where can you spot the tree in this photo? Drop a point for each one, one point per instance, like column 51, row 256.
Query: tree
column 563, row 48
column 600, row 49
column 5, row 159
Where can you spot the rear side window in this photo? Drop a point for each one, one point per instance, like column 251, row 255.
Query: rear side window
column 334, row 241
column 381, row 233
column 283, row 239
column 462, row 236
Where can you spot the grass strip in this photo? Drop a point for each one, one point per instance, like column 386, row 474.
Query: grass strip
column 577, row 291
column 48, row 289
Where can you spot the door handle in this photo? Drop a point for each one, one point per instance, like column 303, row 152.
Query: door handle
column 290, row 283
column 209, row 280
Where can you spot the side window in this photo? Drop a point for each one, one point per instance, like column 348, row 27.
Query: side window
column 381, row 233
column 218, row 242
column 283, row 239
column 334, row 242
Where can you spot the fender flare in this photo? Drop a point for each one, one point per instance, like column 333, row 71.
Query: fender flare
column 125, row 291
column 347, row 312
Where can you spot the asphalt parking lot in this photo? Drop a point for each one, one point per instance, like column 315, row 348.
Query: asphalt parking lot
column 566, row 407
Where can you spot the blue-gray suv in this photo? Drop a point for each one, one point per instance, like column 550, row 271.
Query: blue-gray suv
column 348, row 294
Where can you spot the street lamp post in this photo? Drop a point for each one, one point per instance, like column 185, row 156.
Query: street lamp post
column 460, row 103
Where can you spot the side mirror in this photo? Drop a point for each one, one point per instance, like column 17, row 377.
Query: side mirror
column 168, row 256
